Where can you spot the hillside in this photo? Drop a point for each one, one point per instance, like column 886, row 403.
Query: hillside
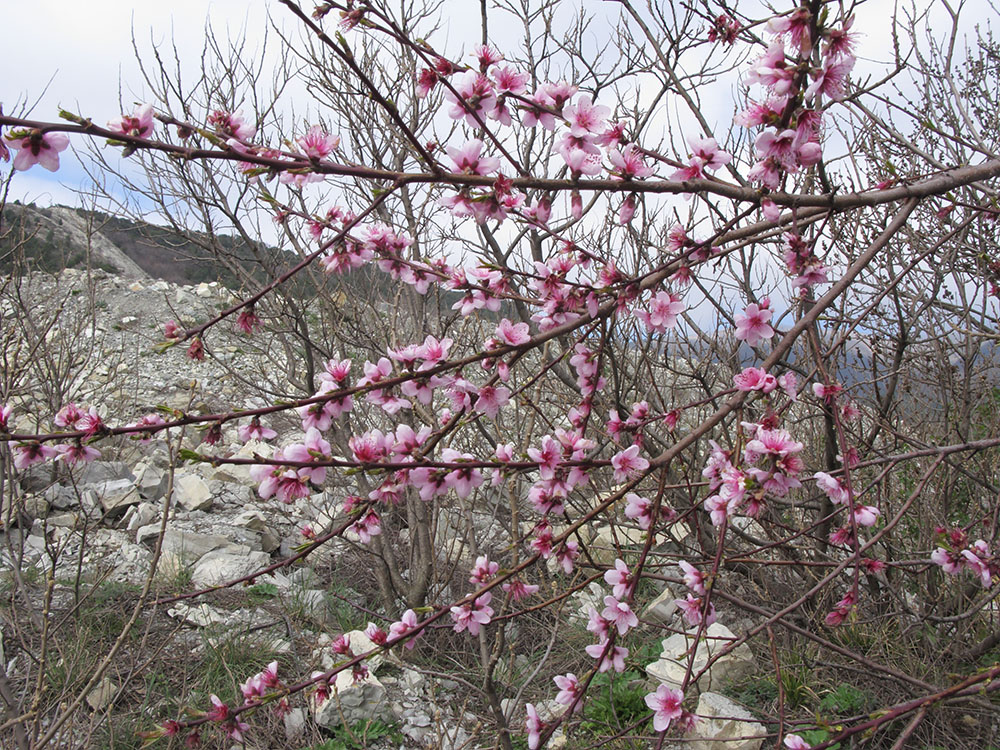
column 55, row 238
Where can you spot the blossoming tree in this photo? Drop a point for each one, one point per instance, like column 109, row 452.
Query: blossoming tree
column 647, row 350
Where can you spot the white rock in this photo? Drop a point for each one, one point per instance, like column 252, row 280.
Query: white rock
column 219, row 567
column 671, row 667
column 724, row 725
column 662, row 608
column 295, row 724
column 102, row 694
column 201, row 615
column 140, row 515
column 191, row 492
column 152, row 482
column 117, row 495
column 352, row 701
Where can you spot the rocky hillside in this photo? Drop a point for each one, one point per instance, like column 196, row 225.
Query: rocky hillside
column 52, row 239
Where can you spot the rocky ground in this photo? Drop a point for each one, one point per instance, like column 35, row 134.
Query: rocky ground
column 100, row 524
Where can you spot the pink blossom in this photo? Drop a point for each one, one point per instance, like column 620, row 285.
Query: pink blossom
column 28, row 453
column 486, row 55
column 427, row 78
column 707, row 151
column 473, row 616
column 317, row 143
column 5, row 412
column 612, row 657
column 566, row 555
column 366, row 527
column 255, row 431
column 789, row 384
column 370, row 447
column 232, row 124
column 569, row 690
column 840, row 41
column 693, row 578
column 171, row 330
column 664, row 308
column 639, row 509
column 403, row 626
column 949, row 561
column 691, row 608
column 627, row 210
column 794, row 742
column 581, row 163
column 533, row 726
column 772, row 70
column 796, row 25
column 341, row 645
column 219, row 710
column 584, row 117
column 519, row 590
column 462, row 480
column 724, row 29
column 597, row 625
column 512, row 334
column 73, row 453
column 665, row 704
column 832, row 487
column 68, row 416
column 510, row 80
column 866, row 515
column 619, row 614
column 139, row 123
column 831, row 79
column 490, row 400
column 37, row 148
column 475, row 98
column 468, row 161
column 841, row 611
column 376, row 634
column 752, row 324
column 629, row 163
column 248, row 322
column 620, row 578
column 483, row 570
column 627, row 463
column 827, row 392
column 755, row 379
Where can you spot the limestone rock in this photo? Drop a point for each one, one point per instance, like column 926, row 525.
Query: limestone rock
column 662, row 608
column 102, row 694
column 295, row 724
column 671, row 667
column 352, row 701
column 218, row 567
column 150, row 481
column 116, row 495
column 191, row 492
column 201, row 615
column 62, row 497
column 724, row 725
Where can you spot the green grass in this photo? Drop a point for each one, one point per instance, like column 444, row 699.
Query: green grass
column 227, row 663
column 360, row 736
column 614, row 702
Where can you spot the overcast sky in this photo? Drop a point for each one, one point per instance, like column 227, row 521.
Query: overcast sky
column 83, row 52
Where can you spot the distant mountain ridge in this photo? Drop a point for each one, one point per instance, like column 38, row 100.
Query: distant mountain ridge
column 54, row 238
